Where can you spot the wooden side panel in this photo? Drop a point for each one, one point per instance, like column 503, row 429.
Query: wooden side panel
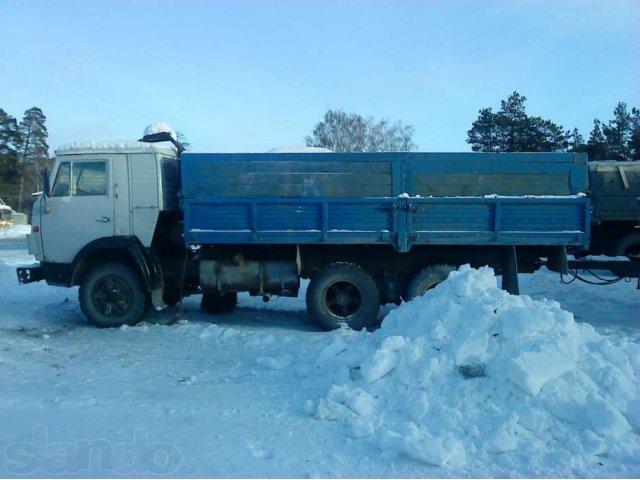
column 478, row 174
column 500, row 221
column 287, row 176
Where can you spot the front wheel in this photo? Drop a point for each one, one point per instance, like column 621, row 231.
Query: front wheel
column 343, row 294
column 111, row 295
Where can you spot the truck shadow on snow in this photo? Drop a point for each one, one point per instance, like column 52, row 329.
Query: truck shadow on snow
column 245, row 317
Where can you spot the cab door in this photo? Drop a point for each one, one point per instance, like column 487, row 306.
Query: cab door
column 79, row 208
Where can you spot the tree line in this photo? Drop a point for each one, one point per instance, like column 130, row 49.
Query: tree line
column 510, row 129
column 24, row 154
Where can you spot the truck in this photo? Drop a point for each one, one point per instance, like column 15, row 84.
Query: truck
column 145, row 223
column 6, row 215
column 614, row 247
column 614, row 188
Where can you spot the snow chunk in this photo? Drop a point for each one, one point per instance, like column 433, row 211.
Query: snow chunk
column 605, row 418
column 427, row 448
column 532, row 370
column 383, row 360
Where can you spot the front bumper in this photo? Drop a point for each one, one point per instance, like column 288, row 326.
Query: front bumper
column 30, row 274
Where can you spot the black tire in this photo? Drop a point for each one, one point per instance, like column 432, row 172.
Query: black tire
column 628, row 245
column 214, row 303
column 343, row 294
column 426, row 279
column 112, row 295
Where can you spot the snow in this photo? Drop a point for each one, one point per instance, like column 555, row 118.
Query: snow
column 300, row 150
column 160, row 127
column 496, row 196
column 112, row 146
column 601, row 258
column 15, row 231
column 466, row 381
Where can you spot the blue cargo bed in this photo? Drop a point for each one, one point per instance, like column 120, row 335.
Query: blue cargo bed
column 398, row 199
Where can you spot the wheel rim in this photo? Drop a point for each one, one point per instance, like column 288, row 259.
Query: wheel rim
column 426, row 287
column 343, row 299
column 112, row 296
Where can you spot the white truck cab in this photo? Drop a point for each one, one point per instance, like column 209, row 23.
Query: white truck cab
column 99, row 191
column 100, row 210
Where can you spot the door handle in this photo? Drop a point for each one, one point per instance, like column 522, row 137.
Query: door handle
column 103, row 220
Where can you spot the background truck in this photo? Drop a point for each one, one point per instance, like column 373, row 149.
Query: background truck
column 614, row 191
column 135, row 224
column 6, row 215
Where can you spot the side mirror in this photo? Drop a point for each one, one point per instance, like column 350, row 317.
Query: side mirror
column 46, row 188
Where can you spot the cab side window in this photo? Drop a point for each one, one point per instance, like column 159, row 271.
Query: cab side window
column 90, row 178
column 80, row 179
column 63, row 181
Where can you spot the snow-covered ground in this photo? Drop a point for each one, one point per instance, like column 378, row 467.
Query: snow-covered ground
column 466, row 381
column 15, row 231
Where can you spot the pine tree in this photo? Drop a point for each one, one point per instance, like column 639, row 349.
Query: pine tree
column 512, row 122
column 512, row 130
column 576, row 142
column 618, row 133
column 634, row 140
column 597, row 144
column 542, row 135
column 483, row 135
column 9, row 144
column 34, row 151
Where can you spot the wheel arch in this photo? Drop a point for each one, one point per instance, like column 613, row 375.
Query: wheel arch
column 126, row 250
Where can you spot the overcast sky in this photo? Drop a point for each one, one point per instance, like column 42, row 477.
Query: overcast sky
column 250, row 75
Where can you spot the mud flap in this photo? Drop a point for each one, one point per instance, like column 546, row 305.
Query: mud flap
column 157, row 298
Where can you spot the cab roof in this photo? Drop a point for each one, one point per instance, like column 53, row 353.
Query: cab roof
column 125, row 146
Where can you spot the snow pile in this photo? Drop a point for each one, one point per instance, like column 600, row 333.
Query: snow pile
column 15, row 231
column 469, row 374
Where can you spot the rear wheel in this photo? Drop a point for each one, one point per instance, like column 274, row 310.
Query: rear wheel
column 426, row 279
column 343, row 294
column 214, row 303
column 111, row 295
column 628, row 245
